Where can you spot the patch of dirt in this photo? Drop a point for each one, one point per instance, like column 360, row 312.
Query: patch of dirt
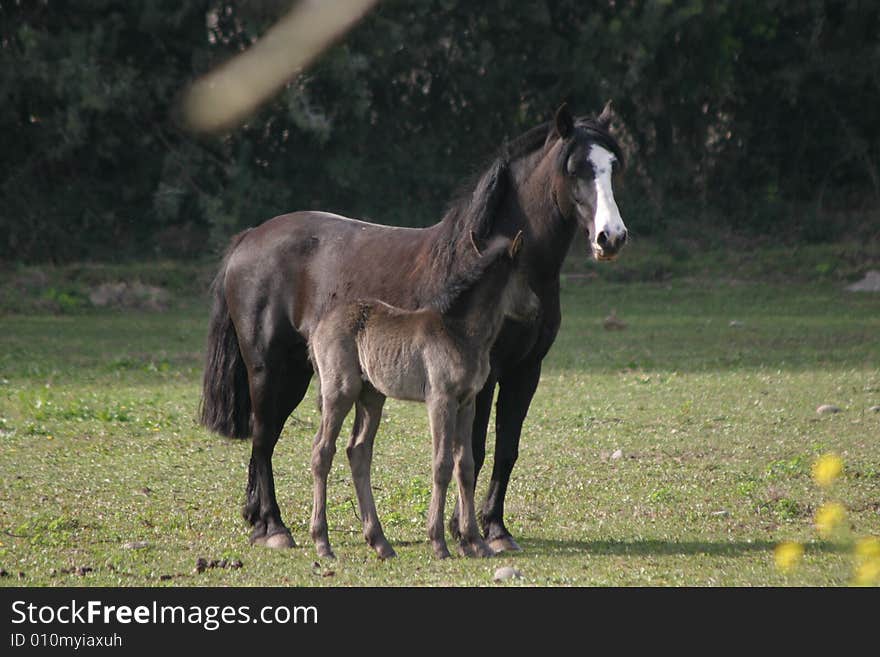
column 130, row 295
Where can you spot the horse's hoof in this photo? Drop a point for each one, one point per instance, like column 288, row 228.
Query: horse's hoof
column 324, row 552
column 441, row 552
column 477, row 548
column 386, row 553
column 504, row 544
column 279, row 540
column 384, row 550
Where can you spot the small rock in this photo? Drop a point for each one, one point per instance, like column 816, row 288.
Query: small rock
column 328, row 573
column 735, row 323
column 201, row 564
column 616, row 454
column 214, row 563
column 613, row 323
column 875, row 409
column 722, row 512
column 53, row 572
column 164, row 578
column 236, row 564
column 825, row 409
column 82, row 570
column 3, row 573
column 20, row 575
column 505, row 573
column 135, row 545
column 223, row 563
column 870, row 283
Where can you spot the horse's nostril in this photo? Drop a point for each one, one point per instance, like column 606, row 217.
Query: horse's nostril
column 623, row 237
column 602, row 239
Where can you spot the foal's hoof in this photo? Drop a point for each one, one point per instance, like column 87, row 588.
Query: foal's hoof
column 475, row 549
column 384, row 550
column 441, row 551
column 504, row 544
column 279, row 540
column 324, row 552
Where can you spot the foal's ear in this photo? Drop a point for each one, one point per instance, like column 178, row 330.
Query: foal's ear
column 515, row 245
column 475, row 242
column 604, row 118
column 564, row 122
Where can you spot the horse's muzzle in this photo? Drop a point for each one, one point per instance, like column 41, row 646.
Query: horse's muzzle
column 607, row 246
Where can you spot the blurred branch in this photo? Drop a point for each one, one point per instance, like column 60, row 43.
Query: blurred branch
column 224, row 97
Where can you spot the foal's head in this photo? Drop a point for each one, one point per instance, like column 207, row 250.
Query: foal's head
column 502, row 283
column 587, row 159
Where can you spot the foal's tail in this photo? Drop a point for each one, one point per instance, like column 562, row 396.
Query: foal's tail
column 226, row 401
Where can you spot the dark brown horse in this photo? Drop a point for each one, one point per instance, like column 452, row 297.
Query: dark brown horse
column 279, row 278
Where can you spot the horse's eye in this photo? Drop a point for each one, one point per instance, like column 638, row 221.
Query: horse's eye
column 571, row 165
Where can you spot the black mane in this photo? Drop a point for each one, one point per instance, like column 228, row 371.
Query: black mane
column 466, row 278
column 528, row 142
column 475, row 204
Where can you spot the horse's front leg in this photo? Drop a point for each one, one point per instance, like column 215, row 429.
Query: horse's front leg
column 479, row 428
column 516, row 389
column 336, row 401
column 442, row 418
column 471, row 544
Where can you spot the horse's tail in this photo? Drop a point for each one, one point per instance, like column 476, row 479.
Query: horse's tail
column 226, row 401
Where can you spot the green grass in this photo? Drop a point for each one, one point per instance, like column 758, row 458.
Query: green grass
column 710, row 394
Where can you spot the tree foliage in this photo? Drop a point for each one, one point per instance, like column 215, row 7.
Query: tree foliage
column 755, row 115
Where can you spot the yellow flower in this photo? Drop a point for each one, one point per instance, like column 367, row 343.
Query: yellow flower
column 868, row 573
column 828, row 518
column 826, row 469
column 868, row 548
column 788, row 555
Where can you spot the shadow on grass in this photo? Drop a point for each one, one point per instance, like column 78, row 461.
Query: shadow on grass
column 657, row 547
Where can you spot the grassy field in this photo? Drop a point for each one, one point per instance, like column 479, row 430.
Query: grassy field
column 677, row 451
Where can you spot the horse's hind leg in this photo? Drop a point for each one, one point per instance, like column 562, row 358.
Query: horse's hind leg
column 442, row 417
column 337, row 399
column 471, row 544
column 368, row 413
column 275, row 392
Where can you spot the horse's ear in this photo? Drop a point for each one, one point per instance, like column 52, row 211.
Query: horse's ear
column 475, row 242
column 604, row 118
column 515, row 245
column 564, row 122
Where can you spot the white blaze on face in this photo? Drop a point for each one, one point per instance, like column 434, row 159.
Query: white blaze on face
column 607, row 218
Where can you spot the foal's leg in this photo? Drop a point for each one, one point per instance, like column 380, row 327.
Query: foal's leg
column 479, row 428
column 337, row 399
column 368, row 413
column 442, row 418
column 471, row 544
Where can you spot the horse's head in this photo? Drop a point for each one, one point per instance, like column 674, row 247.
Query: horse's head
column 587, row 159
